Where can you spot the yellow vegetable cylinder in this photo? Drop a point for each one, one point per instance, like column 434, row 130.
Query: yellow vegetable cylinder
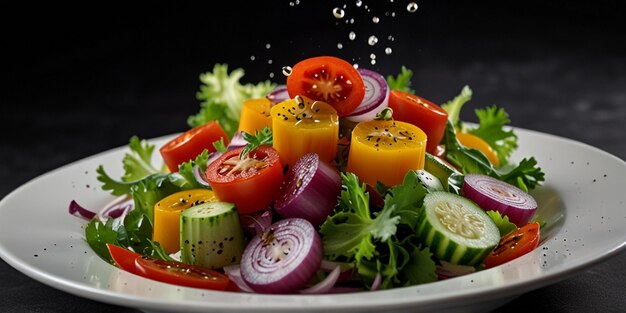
column 255, row 115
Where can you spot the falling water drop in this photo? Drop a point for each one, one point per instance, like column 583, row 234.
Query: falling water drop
column 269, row 61
column 271, row 75
column 372, row 40
column 411, row 7
column 287, row 70
column 359, row 3
column 375, row 19
column 339, row 46
column 338, row 13
column 291, row 4
column 267, row 46
column 388, row 51
column 373, row 61
column 252, row 58
column 372, row 56
column 352, row 35
column 356, row 66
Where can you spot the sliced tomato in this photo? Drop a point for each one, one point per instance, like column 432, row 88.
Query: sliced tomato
column 328, row 79
column 250, row 182
column 124, row 258
column 514, row 245
column 431, row 118
column 178, row 273
column 190, row 144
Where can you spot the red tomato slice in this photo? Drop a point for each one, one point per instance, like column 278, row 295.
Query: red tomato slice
column 189, row 145
column 178, row 273
column 514, row 245
column 431, row 118
column 124, row 258
column 250, row 183
column 328, row 79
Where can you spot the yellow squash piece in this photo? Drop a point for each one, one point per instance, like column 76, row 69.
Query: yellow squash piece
column 167, row 211
column 385, row 151
column 255, row 115
column 302, row 125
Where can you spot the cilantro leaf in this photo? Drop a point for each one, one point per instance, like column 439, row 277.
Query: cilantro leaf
column 262, row 137
column 401, row 82
column 222, row 97
column 492, row 123
column 453, row 107
column 406, row 199
column 504, row 225
column 220, row 146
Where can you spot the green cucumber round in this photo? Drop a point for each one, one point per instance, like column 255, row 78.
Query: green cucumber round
column 211, row 235
column 456, row 229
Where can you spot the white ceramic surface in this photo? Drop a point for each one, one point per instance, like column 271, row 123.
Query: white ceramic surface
column 583, row 202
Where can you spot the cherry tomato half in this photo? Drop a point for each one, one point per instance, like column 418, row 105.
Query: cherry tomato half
column 124, row 258
column 178, row 273
column 514, row 245
column 431, row 118
column 328, row 79
column 250, row 182
column 189, row 145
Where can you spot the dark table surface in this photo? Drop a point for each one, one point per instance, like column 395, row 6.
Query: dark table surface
column 78, row 84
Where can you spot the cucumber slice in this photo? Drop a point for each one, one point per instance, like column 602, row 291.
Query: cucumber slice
column 456, row 229
column 211, row 235
column 429, row 181
column 439, row 168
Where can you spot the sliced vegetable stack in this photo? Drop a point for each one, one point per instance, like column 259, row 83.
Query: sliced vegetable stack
column 337, row 180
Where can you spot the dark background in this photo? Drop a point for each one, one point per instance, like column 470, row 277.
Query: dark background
column 77, row 81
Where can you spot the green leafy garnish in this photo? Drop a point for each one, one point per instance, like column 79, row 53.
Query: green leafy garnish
column 401, row 82
column 220, row 146
column 492, row 129
column 186, row 169
column 504, row 225
column 262, row 137
column 222, row 97
column 138, row 163
column 379, row 242
column 453, row 107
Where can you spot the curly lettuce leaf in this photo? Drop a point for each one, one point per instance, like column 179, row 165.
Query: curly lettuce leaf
column 402, row 81
column 138, row 163
column 222, row 97
column 186, row 169
column 453, row 107
column 492, row 129
column 504, row 225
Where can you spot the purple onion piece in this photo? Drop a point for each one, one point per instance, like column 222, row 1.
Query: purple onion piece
column 257, row 222
column 278, row 95
column 447, row 270
column 283, row 258
column 200, row 176
column 326, row 284
column 492, row 194
column 310, row 190
column 234, row 274
column 237, row 141
column 377, row 281
column 79, row 211
column 117, row 209
column 376, row 97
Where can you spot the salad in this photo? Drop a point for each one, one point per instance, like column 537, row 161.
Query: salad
column 338, row 180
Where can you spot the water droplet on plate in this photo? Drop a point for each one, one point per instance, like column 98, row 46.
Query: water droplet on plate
column 372, row 40
column 411, row 7
column 338, row 13
column 388, row 51
column 287, row 70
column 352, row 35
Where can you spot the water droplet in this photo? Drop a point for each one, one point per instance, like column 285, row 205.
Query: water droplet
column 411, row 7
column 351, row 21
column 372, row 40
column 352, row 35
column 267, row 46
column 388, row 51
column 393, row 14
column 390, row 38
column 375, row 19
column 372, row 56
column 291, row 4
column 269, row 61
column 339, row 46
column 373, row 61
column 252, row 58
column 297, row 2
column 356, row 66
column 359, row 3
column 338, row 12
column 271, row 76
column 287, row 70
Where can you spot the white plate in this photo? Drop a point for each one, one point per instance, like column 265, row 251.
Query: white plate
column 582, row 201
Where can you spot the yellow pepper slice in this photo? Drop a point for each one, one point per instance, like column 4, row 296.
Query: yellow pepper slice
column 255, row 115
column 475, row 142
column 385, row 151
column 302, row 125
column 167, row 211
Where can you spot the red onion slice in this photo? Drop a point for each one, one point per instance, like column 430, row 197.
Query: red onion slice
column 326, row 284
column 234, row 273
column 79, row 211
column 257, row 222
column 376, row 97
column 283, row 258
column 447, row 270
column 310, row 190
column 492, row 194
column 278, row 95
column 117, row 208
column 200, row 176
column 377, row 281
